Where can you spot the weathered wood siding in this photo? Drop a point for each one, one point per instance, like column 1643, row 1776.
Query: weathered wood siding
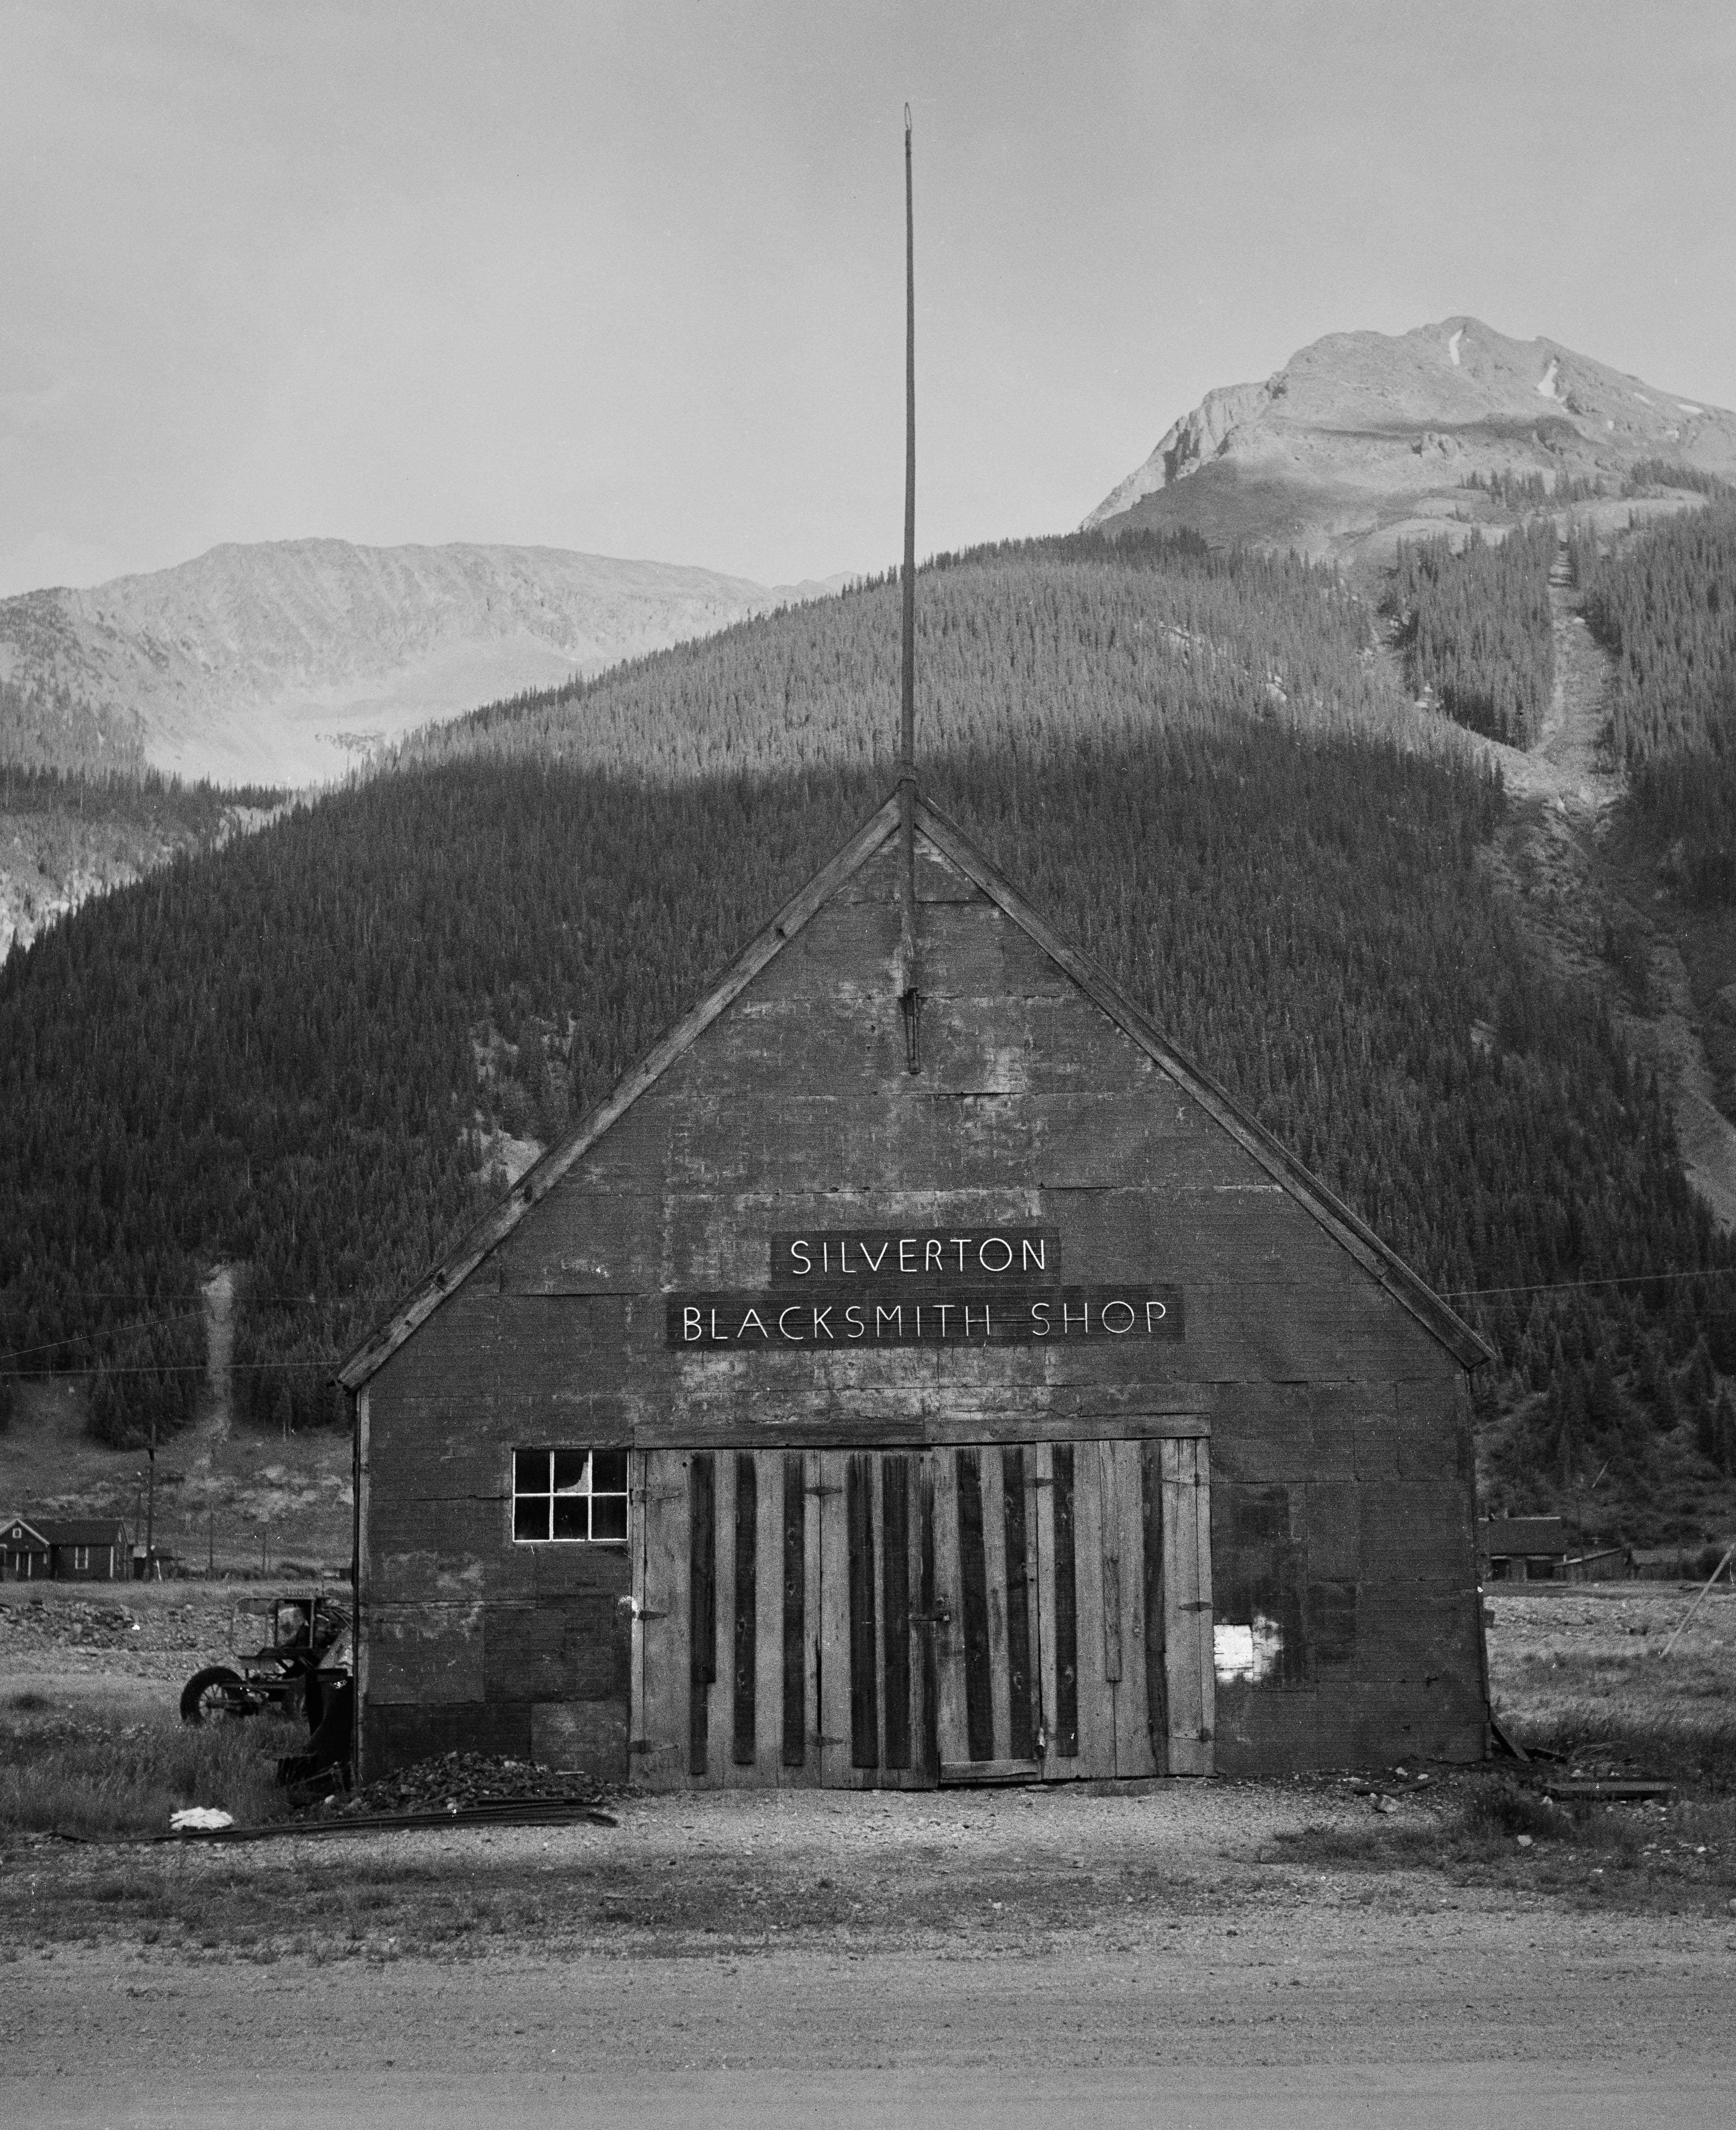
column 1342, row 1504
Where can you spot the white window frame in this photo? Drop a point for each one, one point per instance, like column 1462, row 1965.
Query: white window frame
column 81, row 1559
column 574, row 1488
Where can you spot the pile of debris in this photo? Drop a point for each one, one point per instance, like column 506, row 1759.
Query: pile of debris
column 464, row 1782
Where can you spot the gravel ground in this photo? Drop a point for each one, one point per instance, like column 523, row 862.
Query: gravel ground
column 122, row 1631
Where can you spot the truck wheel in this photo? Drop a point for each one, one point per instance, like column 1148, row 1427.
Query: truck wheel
column 217, row 1691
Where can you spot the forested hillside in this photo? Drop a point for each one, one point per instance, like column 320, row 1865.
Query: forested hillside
column 65, row 837
column 292, row 1052
column 46, row 728
column 1035, row 643
column 1664, row 604
column 1474, row 628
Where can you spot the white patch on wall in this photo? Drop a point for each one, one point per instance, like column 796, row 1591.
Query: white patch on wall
column 1452, row 348
column 1245, row 1656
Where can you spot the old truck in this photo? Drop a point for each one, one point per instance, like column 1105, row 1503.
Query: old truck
column 288, row 1650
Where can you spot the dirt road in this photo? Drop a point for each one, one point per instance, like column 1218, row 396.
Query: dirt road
column 1337, row 2015
column 1004, row 1958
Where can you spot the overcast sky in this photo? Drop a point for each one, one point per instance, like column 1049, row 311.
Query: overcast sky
column 628, row 278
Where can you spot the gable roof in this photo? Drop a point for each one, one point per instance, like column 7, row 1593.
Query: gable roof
column 84, row 1531
column 1502, row 1536
column 1384, row 1265
column 24, row 1523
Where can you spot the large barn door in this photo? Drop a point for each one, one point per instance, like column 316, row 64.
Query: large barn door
column 890, row 1619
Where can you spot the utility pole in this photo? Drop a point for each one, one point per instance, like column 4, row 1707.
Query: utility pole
column 909, row 994
column 150, row 1506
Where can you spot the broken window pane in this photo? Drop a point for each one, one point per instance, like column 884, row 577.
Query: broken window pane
column 570, row 1468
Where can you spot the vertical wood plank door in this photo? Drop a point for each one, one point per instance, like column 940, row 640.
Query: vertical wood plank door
column 658, row 1739
column 896, row 1619
column 987, row 1632
column 1177, row 1520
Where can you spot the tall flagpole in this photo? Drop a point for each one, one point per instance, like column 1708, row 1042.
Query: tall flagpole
column 909, row 992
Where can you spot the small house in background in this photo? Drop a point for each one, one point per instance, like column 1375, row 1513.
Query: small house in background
column 1609, row 1563
column 25, row 1555
column 1524, row 1549
column 65, row 1550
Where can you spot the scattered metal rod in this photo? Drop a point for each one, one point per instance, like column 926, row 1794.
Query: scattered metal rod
column 1603, row 1786
column 506, row 1813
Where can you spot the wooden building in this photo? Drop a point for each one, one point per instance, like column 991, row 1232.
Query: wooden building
column 1524, row 1548
column 891, row 1384
column 75, row 1549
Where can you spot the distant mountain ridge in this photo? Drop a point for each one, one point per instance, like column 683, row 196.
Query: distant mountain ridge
column 282, row 661
column 1362, row 437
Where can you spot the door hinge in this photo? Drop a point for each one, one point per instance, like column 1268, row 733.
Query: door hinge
column 937, row 1619
column 823, row 1490
column 638, row 1611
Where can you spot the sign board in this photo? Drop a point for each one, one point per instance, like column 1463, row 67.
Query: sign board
column 940, row 1286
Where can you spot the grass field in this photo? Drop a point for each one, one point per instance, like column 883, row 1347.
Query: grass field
column 1578, row 1668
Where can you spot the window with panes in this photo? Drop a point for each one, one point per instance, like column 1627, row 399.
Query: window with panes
column 575, row 1496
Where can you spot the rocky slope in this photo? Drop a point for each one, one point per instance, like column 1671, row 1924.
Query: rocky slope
column 1363, row 437
column 281, row 662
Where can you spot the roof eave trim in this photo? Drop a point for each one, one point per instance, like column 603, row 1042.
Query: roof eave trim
column 364, row 1359
column 1378, row 1258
